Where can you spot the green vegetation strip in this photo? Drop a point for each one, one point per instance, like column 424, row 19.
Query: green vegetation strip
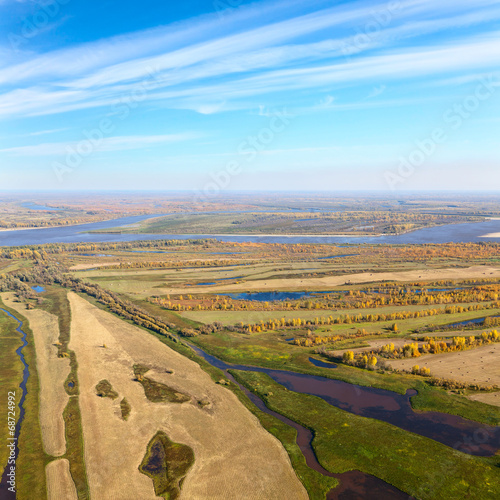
column 125, row 408
column 31, row 462
column 419, row 466
column 167, row 464
column 74, row 451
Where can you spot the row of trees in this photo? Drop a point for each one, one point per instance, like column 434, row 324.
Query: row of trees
column 59, row 248
column 359, row 299
column 437, row 346
column 347, row 319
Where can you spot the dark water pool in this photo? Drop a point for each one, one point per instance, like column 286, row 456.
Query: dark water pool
column 38, row 289
column 268, row 296
column 353, row 485
column 321, row 364
column 475, row 321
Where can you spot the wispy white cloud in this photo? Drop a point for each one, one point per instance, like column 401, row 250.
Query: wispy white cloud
column 207, row 65
column 46, row 132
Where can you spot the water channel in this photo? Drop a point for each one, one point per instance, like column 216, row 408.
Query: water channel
column 464, row 435
column 5, row 494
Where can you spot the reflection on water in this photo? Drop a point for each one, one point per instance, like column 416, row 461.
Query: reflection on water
column 353, row 484
column 383, row 405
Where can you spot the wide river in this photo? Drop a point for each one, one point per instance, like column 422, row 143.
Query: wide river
column 456, row 233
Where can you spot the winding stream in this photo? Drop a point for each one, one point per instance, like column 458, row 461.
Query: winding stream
column 5, row 494
column 353, row 484
column 464, row 435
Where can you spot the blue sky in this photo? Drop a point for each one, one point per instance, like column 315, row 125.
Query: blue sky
column 230, row 95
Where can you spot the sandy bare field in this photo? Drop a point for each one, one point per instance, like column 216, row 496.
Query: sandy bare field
column 60, row 485
column 473, row 366
column 332, row 281
column 52, row 372
column 235, row 456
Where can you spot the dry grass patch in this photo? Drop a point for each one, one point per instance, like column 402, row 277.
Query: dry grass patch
column 52, row 371
column 60, row 485
column 234, row 454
